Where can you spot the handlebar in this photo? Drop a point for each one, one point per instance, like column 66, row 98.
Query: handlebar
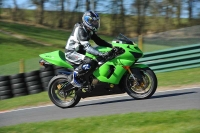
column 114, row 52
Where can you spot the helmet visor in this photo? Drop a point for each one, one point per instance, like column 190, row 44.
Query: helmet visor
column 95, row 23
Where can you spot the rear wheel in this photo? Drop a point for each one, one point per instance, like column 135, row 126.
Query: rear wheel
column 145, row 88
column 60, row 93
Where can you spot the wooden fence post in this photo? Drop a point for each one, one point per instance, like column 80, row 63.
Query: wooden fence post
column 140, row 42
column 21, row 66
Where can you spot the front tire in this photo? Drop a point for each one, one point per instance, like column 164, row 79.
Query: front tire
column 60, row 96
column 146, row 87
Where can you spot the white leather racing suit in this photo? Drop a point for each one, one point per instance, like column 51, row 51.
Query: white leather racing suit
column 78, row 44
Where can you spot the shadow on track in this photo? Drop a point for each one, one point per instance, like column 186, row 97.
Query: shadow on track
column 172, row 95
column 131, row 99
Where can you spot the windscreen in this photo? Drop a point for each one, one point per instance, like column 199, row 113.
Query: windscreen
column 123, row 39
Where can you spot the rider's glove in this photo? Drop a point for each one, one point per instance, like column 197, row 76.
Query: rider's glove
column 104, row 55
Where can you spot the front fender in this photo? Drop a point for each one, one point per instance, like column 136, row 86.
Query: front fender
column 139, row 66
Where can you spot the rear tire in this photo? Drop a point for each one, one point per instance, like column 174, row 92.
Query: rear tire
column 57, row 95
column 146, row 88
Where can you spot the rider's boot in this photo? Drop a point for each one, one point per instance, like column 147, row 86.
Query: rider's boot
column 75, row 80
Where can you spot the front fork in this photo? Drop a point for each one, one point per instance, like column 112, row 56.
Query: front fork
column 135, row 79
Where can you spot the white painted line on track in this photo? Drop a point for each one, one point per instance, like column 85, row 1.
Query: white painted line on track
column 93, row 99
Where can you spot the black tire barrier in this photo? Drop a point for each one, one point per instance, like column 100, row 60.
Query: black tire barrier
column 4, row 78
column 19, row 94
column 16, row 76
column 49, row 68
column 18, row 80
column 5, row 97
column 2, row 88
column 35, row 87
column 45, row 82
column 46, row 79
column 5, row 88
column 5, row 92
column 45, row 85
column 32, row 73
column 32, row 78
column 19, row 88
column 34, row 91
column 18, row 85
column 46, row 76
column 4, row 83
column 33, row 82
column 19, row 91
column 22, row 84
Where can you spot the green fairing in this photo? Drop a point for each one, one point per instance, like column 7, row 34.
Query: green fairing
column 139, row 66
column 126, row 59
column 102, row 73
column 56, row 58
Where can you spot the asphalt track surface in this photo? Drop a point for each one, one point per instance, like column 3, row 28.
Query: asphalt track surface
column 167, row 100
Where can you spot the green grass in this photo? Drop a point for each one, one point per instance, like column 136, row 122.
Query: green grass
column 168, row 79
column 51, row 36
column 14, row 68
column 25, row 101
column 55, row 37
column 13, row 49
column 179, row 78
column 145, row 122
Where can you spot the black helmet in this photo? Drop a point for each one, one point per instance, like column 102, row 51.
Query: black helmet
column 91, row 20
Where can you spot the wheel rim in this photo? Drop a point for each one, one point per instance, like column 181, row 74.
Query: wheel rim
column 144, row 86
column 58, row 93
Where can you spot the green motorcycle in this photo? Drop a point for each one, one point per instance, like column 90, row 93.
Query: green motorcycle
column 119, row 73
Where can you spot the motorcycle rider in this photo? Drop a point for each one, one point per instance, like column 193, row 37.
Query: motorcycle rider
column 78, row 44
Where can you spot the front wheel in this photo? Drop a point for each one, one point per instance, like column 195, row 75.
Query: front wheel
column 145, row 88
column 60, row 92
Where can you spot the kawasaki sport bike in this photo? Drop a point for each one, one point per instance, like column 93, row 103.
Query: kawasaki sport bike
column 118, row 73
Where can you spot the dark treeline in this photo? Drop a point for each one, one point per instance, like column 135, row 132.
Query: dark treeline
column 139, row 17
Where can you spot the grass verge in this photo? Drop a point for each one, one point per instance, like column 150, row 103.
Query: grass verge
column 13, row 49
column 152, row 122
column 179, row 78
column 50, row 36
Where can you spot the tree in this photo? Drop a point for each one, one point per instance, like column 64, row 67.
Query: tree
column 190, row 5
column 93, row 5
column 14, row 11
column 118, row 17
column 40, row 10
column 1, row 5
column 90, row 5
column 62, row 13
column 178, row 10
column 114, row 11
column 87, row 3
column 141, row 8
column 76, row 6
